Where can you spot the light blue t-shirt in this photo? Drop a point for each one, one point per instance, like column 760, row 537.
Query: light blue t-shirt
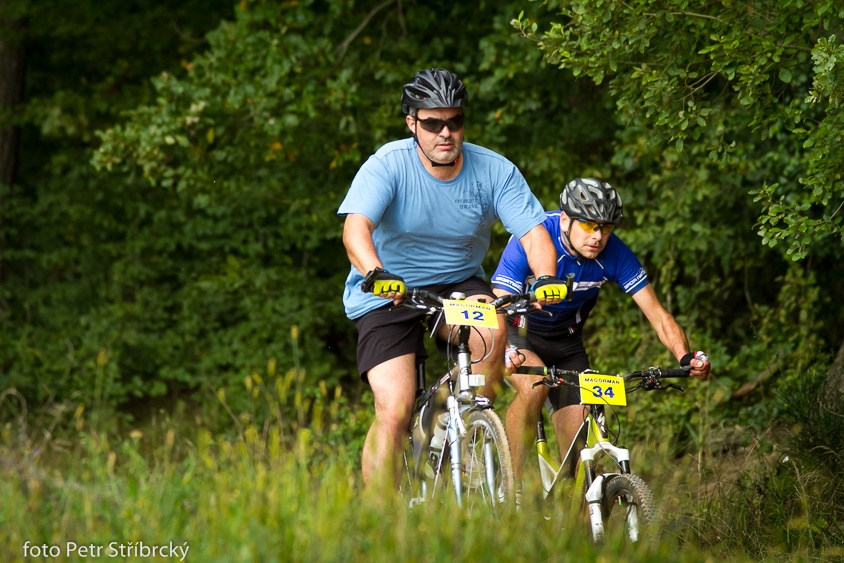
column 429, row 231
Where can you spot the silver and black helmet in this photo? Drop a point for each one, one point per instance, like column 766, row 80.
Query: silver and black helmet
column 434, row 88
column 592, row 200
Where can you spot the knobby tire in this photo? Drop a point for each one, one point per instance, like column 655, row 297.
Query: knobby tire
column 628, row 505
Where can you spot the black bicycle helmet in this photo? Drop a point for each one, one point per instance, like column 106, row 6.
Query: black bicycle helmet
column 434, row 88
column 592, row 200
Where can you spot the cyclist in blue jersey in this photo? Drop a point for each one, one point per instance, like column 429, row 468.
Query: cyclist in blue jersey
column 420, row 211
column 587, row 248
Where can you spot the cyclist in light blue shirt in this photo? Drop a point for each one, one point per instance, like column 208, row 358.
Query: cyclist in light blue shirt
column 587, row 249
column 420, row 210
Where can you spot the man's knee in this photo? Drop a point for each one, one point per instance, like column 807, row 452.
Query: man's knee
column 499, row 335
column 394, row 417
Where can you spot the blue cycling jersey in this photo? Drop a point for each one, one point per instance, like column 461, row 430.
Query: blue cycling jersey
column 616, row 263
column 430, row 231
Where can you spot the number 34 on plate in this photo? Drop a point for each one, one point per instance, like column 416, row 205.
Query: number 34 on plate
column 470, row 313
column 597, row 389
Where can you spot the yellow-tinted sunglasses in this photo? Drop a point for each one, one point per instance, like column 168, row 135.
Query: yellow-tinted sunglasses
column 592, row 226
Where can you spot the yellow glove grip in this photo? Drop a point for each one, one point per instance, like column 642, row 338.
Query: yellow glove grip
column 551, row 291
column 382, row 287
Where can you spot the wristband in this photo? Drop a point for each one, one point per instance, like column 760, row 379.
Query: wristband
column 688, row 357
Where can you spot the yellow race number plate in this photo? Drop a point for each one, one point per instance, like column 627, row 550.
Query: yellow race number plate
column 597, row 389
column 470, row 313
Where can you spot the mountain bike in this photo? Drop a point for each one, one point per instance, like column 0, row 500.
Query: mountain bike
column 456, row 441
column 615, row 499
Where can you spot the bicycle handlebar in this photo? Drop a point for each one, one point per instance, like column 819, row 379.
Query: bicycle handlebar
column 675, row 372
column 532, row 370
column 648, row 379
column 512, row 304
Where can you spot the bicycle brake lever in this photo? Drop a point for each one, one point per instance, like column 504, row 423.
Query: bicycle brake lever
column 516, row 310
column 533, row 311
column 674, row 386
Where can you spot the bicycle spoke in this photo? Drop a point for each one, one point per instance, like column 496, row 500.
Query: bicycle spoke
column 488, row 476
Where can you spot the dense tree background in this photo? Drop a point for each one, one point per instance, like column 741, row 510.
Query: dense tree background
column 731, row 125
column 171, row 226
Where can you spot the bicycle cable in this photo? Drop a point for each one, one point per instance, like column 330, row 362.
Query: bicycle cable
column 614, row 438
column 450, row 345
column 449, row 362
column 488, row 352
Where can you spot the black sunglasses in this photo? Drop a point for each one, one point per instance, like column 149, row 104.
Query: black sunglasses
column 432, row 125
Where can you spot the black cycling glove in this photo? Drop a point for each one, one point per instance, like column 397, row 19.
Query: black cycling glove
column 380, row 282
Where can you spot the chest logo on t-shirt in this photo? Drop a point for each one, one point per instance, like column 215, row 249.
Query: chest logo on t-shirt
column 587, row 285
column 477, row 199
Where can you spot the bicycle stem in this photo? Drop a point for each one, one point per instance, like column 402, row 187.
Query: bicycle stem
column 467, row 380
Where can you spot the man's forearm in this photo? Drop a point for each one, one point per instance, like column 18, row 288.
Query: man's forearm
column 672, row 336
column 357, row 238
column 670, row 333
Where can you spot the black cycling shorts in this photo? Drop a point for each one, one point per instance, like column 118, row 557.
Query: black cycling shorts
column 389, row 332
column 564, row 353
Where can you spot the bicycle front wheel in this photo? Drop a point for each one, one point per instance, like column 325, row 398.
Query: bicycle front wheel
column 488, row 479
column 628, row 505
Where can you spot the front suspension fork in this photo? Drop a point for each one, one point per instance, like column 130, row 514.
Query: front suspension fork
column 456, row 430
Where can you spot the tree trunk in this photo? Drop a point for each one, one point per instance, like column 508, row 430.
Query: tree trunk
column 11, row 83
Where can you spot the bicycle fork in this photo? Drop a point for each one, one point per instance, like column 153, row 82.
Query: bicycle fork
column 595, row 485
column 456, row 429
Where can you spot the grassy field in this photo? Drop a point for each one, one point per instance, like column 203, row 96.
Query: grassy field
column 76, row 485
column 201, row 497
column 236, row 500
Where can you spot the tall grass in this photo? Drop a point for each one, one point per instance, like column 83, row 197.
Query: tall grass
column 250, row 500
column 786, row 495
column 284, row 485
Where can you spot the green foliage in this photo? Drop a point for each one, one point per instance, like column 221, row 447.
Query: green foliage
column 717, row 101
column 729, row 81
column 208, row 229
column 62, row 226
